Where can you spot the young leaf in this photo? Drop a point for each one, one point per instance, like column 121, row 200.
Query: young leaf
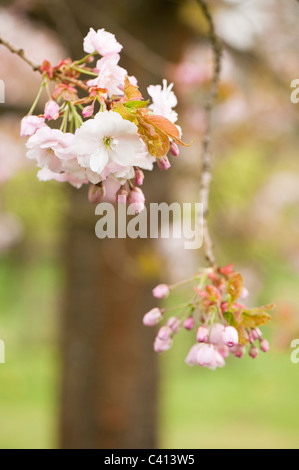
column 132, row 92
column 255, row 317
column 234, row 287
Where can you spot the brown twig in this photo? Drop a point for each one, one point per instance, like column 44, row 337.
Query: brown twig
column 20, row 53
column 206, row 176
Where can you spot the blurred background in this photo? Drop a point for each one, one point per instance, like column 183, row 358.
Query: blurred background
column 80, row 370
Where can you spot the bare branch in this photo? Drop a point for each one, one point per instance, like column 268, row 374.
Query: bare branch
column 20, row 53
column 206, row 177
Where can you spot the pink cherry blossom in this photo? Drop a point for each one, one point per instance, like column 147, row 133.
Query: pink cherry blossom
column 30, row 124
column 110, row 145
column 164, row 100
column 209, row 357
column 47, row 147
column 202, row 334
column 216, row 333
column 110, row 75
column 101, row 41
column 191, row 359
column 230, row 336
column 76, row 180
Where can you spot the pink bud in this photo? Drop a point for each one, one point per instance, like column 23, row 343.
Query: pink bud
column 136, row 199
column 174, row 149
column 188, row 323
column 256, row 334
column 122, row 196
column 139, row 177
column 88, row 111
column 264, row 345
column 96, row 194
column 163, row 163
column 161, row 345
column 230, row 336
column 238, row 351
column 202, row 334
column 253, row 352
column 164, row 333
column 161, row 291
column 153, row 317
column 51, row 110
column 30, row 124
column 175, row 324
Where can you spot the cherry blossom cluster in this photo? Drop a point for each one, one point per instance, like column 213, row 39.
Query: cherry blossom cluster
column 96, row 125
column 222, row 324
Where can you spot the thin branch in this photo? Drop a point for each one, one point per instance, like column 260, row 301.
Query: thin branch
column 20, row 53
column 206, row 176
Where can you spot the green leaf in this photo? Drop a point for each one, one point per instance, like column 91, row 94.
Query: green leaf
column 136, row 104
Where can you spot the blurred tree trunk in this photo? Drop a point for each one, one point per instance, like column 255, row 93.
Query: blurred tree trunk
column 109, row 377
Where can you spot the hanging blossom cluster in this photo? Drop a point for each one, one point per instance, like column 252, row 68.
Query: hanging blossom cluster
column 221, row 323
column 97, row 126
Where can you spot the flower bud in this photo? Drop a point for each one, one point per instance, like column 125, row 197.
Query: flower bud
column 256, row 334
column 264, row 345
column 153, row 317
column 174, row 149
column 175, row 324
column 238, row 351
column 253, row 352
column 161, row 291
column 139, row 177
column 162, row 345
column 136, row 199
column 122, row 196
column 202, row 334
column 51, row 110
column 164, row 333
column 88, row 111
column 96, row 194
column 230, row 336
column 188, row 323
column 163, row 163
